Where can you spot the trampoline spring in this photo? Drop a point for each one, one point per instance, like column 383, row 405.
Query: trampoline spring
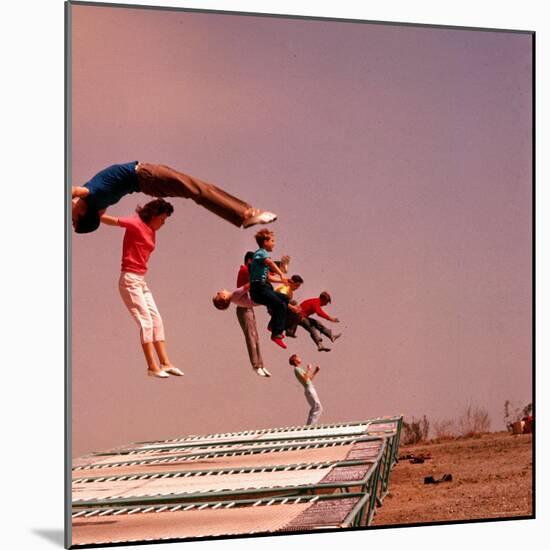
column 203, row 506
column 190, row 507
column 134, row 510
column 106, row 512
column 121, row 511
column 146, row 510
column 176, row 508
column 161, row 509
column 78, row 514
column 92, row 513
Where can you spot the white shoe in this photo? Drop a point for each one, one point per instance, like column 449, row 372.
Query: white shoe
column 259, row 371
column 157, row 373
column 266, row 372
column 173, row 370
column 259, row 216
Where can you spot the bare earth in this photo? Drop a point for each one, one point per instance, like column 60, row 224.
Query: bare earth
column 492, row 478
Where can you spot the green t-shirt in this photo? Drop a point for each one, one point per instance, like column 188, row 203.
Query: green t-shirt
column 300, row 373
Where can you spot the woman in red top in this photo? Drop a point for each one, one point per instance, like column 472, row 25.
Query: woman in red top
column 137, row 246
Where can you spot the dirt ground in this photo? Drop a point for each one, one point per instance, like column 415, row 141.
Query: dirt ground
column 492, row 478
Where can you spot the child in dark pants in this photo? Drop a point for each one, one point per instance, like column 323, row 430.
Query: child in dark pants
column 261, row 290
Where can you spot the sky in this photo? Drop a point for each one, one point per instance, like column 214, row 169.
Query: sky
column 399, row 162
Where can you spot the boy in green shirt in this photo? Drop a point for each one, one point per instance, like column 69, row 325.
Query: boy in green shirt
column 305, row 376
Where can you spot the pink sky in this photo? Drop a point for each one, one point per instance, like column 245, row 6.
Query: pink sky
column 399, row 162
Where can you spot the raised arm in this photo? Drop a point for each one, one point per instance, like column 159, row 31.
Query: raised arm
column 109, row 220
column 311, row 372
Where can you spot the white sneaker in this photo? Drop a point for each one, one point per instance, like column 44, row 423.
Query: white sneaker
column 266, row 372
column 173, row 370
column 259, row 216
column 157, row 373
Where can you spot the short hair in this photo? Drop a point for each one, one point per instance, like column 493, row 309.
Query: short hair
column 154, row 208
column 297, row 279
column 325, row 296
column 220, row 302
column 88, row 221
column 262, row 236
column 292, row 359
column 248, row 256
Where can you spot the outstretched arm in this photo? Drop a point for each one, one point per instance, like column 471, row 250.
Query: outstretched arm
column 322, row 313
column 109, row 220
column 79, row 192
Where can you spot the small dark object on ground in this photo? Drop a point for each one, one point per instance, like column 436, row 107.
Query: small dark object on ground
column 430, row 479
column 416, row 459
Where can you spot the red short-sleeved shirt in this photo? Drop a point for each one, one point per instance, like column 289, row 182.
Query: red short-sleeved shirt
column 138, row 243
column 243, row 276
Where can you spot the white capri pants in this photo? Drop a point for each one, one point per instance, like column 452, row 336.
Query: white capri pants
column 139, row 301
column 315, row 404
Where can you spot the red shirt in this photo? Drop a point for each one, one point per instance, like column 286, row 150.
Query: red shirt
column 243, row 276
column 138, row 243
column 311, row 306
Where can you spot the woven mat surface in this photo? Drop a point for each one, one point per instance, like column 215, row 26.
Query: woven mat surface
column 200, row 523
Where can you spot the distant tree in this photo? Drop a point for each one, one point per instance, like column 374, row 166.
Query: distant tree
column 444, row 429
column 474, row 421
column 415, row 431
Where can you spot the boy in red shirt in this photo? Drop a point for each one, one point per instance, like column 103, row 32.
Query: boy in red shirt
column 138, row 244
column 315, row 306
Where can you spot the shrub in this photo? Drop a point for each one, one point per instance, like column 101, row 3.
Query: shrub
column 445, row 429
column 474, row 421
column 415, row 431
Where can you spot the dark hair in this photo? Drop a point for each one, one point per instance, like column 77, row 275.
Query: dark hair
column 325, row 296
column 248, row 256
column 292, row 359
column 154, row 208
column 88, row 221
column 220, row 303
column 296, row 279
column 262, row 236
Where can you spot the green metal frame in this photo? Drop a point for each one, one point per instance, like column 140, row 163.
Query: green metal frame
column 221, row 453
column 222, row 471
column 367, row 485
column 352, row 518
column 312, row 427
column 371, row 488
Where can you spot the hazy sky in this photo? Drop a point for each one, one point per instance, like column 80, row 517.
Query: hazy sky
column 399, row 162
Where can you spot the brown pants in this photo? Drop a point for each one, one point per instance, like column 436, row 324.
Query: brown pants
column 158, row 180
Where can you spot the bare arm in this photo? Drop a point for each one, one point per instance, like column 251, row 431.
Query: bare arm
column 295, row 309
column 275, row 279
column 314, row 373
column 79, row 192
column 275, row 268
column 109, row 220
